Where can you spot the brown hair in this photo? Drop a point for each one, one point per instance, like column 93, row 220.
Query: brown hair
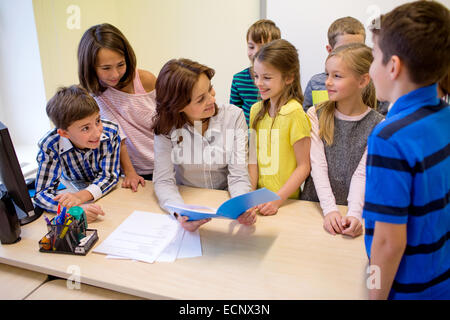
column 283, row 56
column 70, row 104
column 358, row 57
column 174, row 91
column 103, row 36
column 346, row 25
column 418, row 33
column 263, row 31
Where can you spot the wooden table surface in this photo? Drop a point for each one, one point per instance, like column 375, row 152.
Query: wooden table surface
column 286, row 256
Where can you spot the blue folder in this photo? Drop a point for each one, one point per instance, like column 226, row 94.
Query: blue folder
column 230, row 209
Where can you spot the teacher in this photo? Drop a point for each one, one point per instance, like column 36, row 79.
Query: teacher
column 197, row 142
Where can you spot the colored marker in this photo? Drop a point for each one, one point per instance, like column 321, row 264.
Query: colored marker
column 46, row 219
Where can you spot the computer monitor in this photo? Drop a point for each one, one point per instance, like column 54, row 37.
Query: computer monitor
column 11, row 177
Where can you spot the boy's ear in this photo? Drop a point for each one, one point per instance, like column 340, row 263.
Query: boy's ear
column 329, row 48
column 63, row 133
column 396, row 66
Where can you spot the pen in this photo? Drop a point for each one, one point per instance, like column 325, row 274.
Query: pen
column 46, row 219
column 66, row 227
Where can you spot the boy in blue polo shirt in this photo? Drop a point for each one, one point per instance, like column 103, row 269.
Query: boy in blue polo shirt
column 407, row 211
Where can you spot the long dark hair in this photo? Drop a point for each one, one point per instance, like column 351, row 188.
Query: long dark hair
column 173, row 92
column 103, row 36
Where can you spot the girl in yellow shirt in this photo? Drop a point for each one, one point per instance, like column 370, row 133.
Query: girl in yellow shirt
column 280, row 136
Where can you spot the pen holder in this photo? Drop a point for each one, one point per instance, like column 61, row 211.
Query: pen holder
column 74, row 238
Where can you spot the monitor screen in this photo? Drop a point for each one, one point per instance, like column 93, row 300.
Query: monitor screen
column 11, row 177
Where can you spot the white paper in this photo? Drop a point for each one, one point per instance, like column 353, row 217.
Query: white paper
column 171, row 251
column 184, row 245
column 188, row 246
column 191, row 246
column 142, row 236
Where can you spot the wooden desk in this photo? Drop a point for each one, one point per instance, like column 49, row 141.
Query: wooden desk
column 57, row 290
column 17, row 283
column 287, row 256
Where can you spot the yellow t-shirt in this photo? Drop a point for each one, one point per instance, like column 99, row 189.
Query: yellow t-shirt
column 275, row 138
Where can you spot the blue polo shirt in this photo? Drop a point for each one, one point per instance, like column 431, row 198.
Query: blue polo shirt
column 408, row 182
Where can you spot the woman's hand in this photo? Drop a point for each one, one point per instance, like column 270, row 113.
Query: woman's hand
column 190, row 226
column 248, row 217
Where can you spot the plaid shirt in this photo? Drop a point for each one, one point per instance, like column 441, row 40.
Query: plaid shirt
column 58, row 157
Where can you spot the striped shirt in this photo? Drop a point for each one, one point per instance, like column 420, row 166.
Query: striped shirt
column 408, row 182
column 134, row 115
column 58, row 158
column 244, row 92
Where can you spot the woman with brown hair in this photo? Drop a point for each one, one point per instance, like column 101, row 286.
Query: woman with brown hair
column 197, row 142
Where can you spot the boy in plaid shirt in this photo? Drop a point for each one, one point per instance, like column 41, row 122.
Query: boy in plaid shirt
column 81, row 147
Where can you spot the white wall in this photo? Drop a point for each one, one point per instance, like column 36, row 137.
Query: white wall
column 305, row 25
column 211, row 32
column 22, row 94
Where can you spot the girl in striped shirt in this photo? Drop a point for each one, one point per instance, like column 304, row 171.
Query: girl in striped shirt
column 125, row 95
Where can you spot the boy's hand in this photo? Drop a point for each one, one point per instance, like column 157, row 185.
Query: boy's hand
column 132, row 181
column 352, row 226
column 333, row 223
column 269, row 208
column 190, row 226
column 248, row 217
column 92, row 211
column 68, row 200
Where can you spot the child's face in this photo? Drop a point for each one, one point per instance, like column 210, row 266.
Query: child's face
column 203, row 100
column 379, row 73
column 252, row 48
column 84, row 133
column 342, row 83
column 110, row 67
column 269, row 81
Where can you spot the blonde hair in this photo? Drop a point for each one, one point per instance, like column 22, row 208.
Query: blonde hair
column 357, row 57
column 263, row 31
column 283, row 56
column 346, row 25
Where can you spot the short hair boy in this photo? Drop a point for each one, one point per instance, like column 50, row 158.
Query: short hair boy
column 81, row 147
column 243, row 90
column 342, row 31
column 406, row 211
